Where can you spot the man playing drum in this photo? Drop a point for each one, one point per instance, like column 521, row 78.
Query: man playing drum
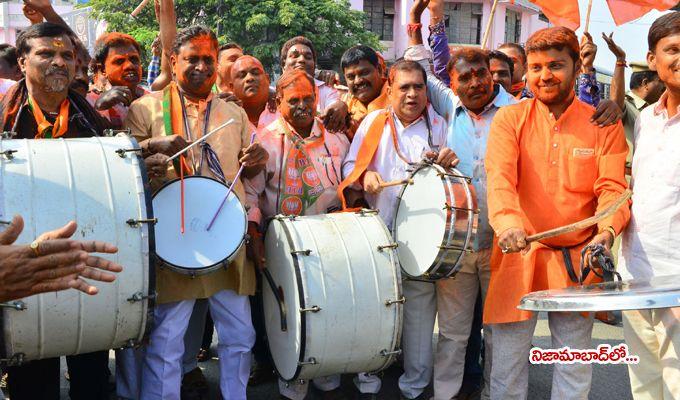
column 41, row 106
column 547, row 166
column 649, row 246
column 400, row 135
column 468, row 106
column 188, row 108
column 300, row 178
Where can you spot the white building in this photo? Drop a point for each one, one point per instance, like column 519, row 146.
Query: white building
column 514, row 21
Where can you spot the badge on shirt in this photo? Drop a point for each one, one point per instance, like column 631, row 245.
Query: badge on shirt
column 582, row 153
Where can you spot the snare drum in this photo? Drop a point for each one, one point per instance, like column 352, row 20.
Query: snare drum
column 198, row 251
column 340, row 290
column 101, row 184
column 434, row 223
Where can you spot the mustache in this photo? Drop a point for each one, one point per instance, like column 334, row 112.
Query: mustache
column 301, row 112
column 56, row 71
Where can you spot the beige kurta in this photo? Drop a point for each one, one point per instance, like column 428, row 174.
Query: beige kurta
column 145, row 120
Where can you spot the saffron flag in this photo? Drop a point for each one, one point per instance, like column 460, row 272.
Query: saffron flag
column 628, row 10
column 561, row 12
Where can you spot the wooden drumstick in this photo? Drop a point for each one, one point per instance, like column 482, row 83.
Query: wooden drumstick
column 396, row 183
column 139, row 8
column 588, row 222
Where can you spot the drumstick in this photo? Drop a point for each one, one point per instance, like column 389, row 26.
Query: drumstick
column 238, row 174
column 588, row 222
column 139, row 8
column 396, row 183
column 202, row 139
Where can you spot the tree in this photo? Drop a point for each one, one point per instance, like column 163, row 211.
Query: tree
column 259, row 26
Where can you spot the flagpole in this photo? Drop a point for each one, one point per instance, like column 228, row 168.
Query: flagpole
column 488, row 24
column 590, row 5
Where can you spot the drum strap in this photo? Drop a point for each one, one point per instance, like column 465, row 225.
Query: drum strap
column 568, row 264
column 593, row 257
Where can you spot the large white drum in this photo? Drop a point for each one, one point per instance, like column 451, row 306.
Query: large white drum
column 435, row 222
column 340, row 284
column 50, row 182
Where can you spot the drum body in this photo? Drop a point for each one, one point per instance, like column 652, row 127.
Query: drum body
column 50, row 182
column 633, row 294
column 198, row 251
column 341, row 289
column 434, row 223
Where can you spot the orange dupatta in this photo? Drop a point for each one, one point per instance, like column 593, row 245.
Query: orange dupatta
column 47, row 130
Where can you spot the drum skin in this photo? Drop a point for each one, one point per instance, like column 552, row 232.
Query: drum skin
column 432, row 237
column 351, row 281
column 198, row 251
column 50, row 182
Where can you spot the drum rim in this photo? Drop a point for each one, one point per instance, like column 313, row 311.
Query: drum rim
column 151, row 291
column 283, row 219
column 224, row 263
column 449, row 231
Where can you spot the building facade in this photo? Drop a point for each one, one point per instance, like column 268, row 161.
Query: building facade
column 513, row 21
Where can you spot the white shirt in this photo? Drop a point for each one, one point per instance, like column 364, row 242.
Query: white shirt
column 327, row 95
column 413, row 143
column 5, row 84
column 651, row 241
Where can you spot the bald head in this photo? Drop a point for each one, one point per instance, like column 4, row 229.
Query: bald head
column 249, row 81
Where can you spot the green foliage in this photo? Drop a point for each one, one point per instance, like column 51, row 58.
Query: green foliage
column 260, row 26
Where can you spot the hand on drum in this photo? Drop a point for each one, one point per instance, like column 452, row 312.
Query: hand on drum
column 513, row 240
column 446, row 157
column 372, row 182
column 255, row 249
column 51, row 263
column 604, row 238
column 168, row 145
column 156, row 165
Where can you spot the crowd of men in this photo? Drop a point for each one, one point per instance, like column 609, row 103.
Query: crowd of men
column 539, row 153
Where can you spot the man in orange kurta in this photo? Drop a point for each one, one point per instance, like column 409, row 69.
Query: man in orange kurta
column 547, row 166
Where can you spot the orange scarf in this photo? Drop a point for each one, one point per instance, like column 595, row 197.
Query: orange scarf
column 173, row 118
column 47, row 130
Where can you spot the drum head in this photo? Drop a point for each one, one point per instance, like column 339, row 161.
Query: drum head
column 420, row 222
column 634, row 294
column 286, row 347
column 197, row 251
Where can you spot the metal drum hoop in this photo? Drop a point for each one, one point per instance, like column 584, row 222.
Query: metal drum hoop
column 224, row 263
column 440, row 269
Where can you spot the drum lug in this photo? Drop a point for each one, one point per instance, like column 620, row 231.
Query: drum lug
column 132, row 344
column 286, row 217
column 121, row 152
column 314, row 309
column 386, row 353
column 364, row 212
column 14, row 361
column 388, row 246
column 7, row 135
column 467, row 179
column 401, row 300
column 9, row 154
column 137, row 222
column 17, row 305
column 139, row 296
column 449, row 207
column 310, row 361
column 303, row 252
column 455, row 248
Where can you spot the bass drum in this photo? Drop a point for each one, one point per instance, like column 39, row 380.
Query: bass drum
column 340, row 286
column 101, row 184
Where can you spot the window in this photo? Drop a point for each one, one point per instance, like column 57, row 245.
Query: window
column 513, row 26
column 380, row 18
column 463, row 22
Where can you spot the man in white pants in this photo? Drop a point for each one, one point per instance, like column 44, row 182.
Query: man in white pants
column 649, row 248
column 188, row 109
column 415, row 122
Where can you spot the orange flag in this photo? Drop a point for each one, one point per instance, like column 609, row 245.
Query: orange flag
column 561, row 12
column 627, row 10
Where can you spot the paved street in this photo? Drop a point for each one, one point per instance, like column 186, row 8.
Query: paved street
column 609, row 381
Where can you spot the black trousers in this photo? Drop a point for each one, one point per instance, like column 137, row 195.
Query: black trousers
column 261, row 348
column 39, row 380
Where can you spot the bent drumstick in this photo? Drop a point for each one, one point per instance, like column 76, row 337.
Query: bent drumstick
column 396, row 183
column 231, row 187
column 588, row 222
column 201, row 140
